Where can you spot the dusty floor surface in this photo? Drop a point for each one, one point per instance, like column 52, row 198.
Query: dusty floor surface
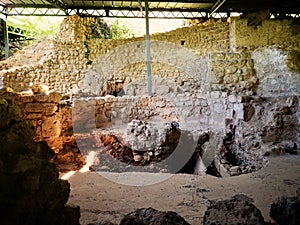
column 101, row 199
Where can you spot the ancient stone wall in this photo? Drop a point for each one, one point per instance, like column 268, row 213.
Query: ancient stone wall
column 232, row 72
column 283, row 33
column 65, row 59
column 274, row 47
column 258, row 126
column 232, row 51
column 277, row 71
column 31, row 191
column 208, row 77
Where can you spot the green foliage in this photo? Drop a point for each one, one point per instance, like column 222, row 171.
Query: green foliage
column 43, row 27
column 98, row 28
column 120, row 32
column 38, row 27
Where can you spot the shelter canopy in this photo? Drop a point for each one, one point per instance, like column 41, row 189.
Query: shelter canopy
column 157, row 8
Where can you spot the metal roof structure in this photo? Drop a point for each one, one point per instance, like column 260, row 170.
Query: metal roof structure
column 157, row 8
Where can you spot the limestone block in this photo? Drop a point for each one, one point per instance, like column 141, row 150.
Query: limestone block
column 239, row 111
column 44, row 108
column 51, row 127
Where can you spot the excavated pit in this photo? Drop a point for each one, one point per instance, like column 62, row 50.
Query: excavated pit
column 73, row 128
column 224, row 102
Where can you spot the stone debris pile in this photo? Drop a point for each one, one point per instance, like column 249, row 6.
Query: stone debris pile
column 152, row 141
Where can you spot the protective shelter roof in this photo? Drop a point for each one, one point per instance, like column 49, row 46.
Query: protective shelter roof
column 157, row 8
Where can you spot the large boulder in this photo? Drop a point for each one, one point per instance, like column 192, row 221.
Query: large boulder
column 30, row 191
column 150, row 216
column 286, row 210
column 237, row 210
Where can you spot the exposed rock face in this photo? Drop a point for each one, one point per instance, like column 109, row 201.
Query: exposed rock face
column 150, row 216
column 237, row 210
column 52, row 123
column 257, row 127
column 102, row 223
column 30, row 192
column 152, row 141
column 146, row 147
column 140, row 144
column 286, row 210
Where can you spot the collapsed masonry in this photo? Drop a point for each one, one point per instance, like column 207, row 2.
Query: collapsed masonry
column 226, row 95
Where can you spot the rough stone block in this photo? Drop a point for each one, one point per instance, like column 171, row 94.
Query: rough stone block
column 44, row 108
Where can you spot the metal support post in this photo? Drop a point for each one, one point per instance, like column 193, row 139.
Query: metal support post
column 5, row 35
column 148, row 49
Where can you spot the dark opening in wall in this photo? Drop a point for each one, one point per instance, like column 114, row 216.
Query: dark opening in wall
column 190, row 166
column 115, row 88
column 212, row 170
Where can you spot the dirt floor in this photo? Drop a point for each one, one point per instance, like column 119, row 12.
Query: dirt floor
column 101, row 199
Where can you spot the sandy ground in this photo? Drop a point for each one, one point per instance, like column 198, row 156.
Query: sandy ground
column 102, row 199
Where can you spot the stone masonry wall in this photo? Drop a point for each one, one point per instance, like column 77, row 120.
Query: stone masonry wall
column 65, row 65
column 283, row 33
column 277, row 71
column 52, row 120
column 205, row 78
column 232, row 72
column 65, row 59
column 259, row 126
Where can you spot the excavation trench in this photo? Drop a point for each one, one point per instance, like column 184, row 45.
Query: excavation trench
column 164, row 148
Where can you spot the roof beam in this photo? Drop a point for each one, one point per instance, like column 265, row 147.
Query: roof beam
column 58, row 4
column 3, row 9
column 174, row 1
column 216, row 6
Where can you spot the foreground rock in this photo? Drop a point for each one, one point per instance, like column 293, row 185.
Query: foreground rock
column 237, row 210
column 150, row 216
column 286, row 210
column 31, row 192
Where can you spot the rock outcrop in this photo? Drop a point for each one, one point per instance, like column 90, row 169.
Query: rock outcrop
column 31, row 192
column 237, row 210
column 152, row 141
column 150, row 216
column 286, row 210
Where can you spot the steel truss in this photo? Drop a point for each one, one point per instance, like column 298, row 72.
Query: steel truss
column 3, row 10
column 19, row 34
column 42, row 10
column 119, row 13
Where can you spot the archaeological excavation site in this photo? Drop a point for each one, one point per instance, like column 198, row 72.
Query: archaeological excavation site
column 199, row 125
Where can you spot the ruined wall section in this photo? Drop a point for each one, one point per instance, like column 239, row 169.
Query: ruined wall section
column 60, row 64
column 255, row 126
column 107, row 68
column 52, row 119
column 274, row 46
column 232, row 72
column 282, row 33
